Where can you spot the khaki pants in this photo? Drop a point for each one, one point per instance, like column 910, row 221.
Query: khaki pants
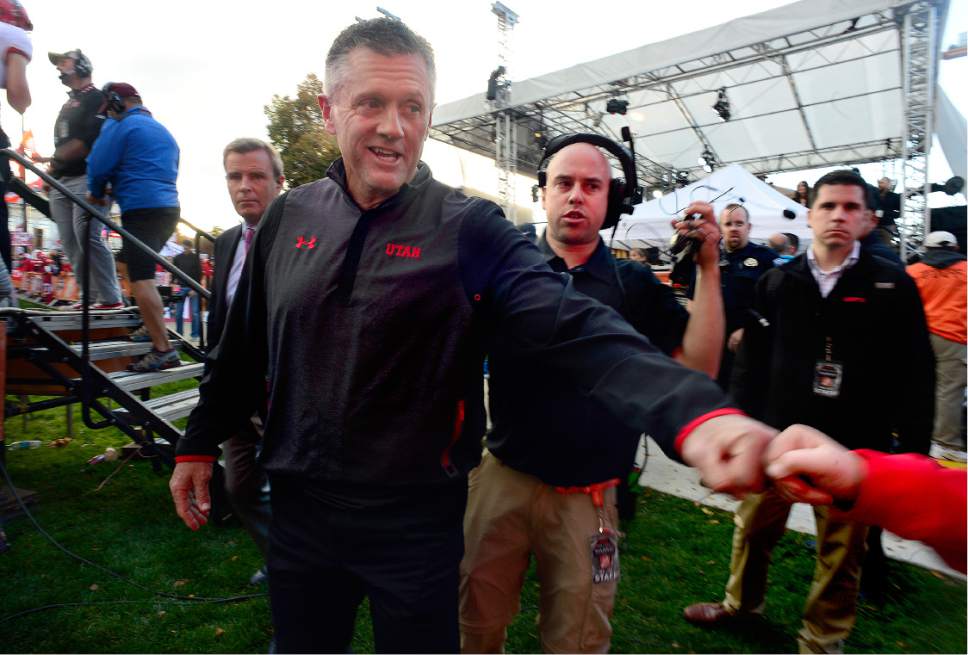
column 830, row 611
column 509, row 516
column 949, row 359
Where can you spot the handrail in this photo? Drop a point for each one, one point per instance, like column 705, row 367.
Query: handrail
column 183, row 277
column 88, row 390
column 198, row 232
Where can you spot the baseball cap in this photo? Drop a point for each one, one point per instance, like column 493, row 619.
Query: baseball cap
column 123, row 89
column 79, row 58
column 940, row 239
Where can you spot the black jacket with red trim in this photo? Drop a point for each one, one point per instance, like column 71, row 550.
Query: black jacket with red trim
column 878, row 333
column 371, row 328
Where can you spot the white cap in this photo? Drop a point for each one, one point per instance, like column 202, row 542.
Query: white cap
column 940, row 239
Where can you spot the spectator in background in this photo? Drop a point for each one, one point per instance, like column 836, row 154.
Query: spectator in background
column 638, row 255
column 794, row 242
column 17, row 51
column 819, row 357
column 802, row 195
column 8, row 297
column 887, row 208
column 138, row 157
column 188, row 262
column 941, row 279
column 779, row 243
column 78, row 126
column 743, row 264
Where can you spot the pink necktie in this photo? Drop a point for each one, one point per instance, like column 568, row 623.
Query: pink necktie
column 249, row 231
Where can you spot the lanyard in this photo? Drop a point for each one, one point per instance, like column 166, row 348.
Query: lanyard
column 597, row 492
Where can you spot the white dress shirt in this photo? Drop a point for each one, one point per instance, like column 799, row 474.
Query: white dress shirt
column 827, row 280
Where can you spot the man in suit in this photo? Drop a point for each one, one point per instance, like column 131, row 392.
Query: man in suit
column 253, row 173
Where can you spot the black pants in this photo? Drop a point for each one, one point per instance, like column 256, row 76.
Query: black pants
column 405, row 557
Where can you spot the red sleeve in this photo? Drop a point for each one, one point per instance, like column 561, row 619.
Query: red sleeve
column 915, row 498
column 194, row 458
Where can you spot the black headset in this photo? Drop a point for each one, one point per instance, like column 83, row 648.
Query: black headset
column 82, row 65
column 115, row 102
column 622, row 197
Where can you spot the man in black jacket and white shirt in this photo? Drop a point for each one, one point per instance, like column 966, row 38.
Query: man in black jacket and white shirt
column 845, row 349
column 253, row 173
column 369, row 301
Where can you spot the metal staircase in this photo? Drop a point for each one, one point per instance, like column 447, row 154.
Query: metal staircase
column 81, row 356
column 46, row 357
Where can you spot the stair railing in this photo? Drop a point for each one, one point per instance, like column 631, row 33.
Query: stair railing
column 89, row 391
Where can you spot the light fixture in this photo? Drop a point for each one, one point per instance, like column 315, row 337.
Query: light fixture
column 707, row 160
column 722, row 105
column 617, row 106
column 682, row 178
column 492, row 82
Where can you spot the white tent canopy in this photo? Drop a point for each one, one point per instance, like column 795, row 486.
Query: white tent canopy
column 650, row 223
column 810, row 84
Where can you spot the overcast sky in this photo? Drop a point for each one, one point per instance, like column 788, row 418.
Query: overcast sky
column 207, row 68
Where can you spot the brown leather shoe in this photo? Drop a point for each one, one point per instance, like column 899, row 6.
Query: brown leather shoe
column 707, row 614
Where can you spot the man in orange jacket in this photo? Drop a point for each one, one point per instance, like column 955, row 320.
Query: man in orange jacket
column 941, row 280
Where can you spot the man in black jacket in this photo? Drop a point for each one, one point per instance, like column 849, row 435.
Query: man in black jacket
column 846, row 349
column 544, row 486
column 253, row 173
column 362, row 318
column 187, row 260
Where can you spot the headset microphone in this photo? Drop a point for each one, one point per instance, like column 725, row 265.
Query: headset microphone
column 682, row 246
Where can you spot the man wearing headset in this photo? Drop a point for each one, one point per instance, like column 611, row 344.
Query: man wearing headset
column 138, row 158
column 78, row 125
column 544, row 487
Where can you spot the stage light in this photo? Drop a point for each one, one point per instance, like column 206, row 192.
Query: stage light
column 682, row 178
column 617, row 106
column 493, row 81
column 722, row 105
column 707, row 160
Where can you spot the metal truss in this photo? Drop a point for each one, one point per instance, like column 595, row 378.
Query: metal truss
column 919, row 37
column 505, row 133
column 777, row 59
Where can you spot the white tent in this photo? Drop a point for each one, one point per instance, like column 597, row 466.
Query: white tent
column 813, row 83
column 650, row 223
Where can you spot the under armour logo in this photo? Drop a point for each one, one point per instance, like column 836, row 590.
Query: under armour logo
column 301, row 241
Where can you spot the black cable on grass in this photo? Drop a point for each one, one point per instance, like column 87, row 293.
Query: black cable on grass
column 169, row 597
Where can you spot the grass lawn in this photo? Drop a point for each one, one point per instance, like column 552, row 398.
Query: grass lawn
column 676, row 553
